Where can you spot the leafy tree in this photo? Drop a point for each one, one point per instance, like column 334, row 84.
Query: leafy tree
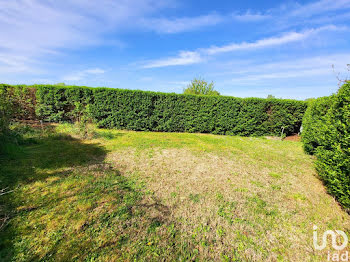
column 270, row 96
column 201, row 87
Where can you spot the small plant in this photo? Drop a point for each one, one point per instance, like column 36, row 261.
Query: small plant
column 82, row 118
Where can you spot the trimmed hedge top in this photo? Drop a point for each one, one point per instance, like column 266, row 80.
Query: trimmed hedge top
column 169, row 112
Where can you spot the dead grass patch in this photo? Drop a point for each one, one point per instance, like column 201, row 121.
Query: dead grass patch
column 236, row 206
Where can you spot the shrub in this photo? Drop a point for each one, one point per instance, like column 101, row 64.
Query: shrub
column 314, row 123
column 12, row 105
column 333, row 153
column 22, row 100
column 58, row 103
column 327, row 135
column 6, row 111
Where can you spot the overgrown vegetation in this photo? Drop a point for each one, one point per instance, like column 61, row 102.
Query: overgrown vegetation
column 327, row 135
column 139, row 110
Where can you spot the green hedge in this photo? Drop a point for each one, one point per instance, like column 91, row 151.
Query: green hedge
column 56, row 103
column 169, row 112
column 329, row 138
column 314, row 121
column 22, row 99
column 154, row 111
column 16, row 102
column 5, row 112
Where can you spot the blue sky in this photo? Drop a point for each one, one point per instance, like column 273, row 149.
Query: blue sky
column 248, row 48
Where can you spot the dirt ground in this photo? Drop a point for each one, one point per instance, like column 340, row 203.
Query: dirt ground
column 296, row 138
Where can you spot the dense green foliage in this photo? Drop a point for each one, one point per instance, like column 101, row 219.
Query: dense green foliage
column 16, row 103
column 57, row 103
column 5, row 112
column 20, row 100
column 333, row 156
column 153, row 111
column 314, row 121
column 201, row 87
column 327, row 134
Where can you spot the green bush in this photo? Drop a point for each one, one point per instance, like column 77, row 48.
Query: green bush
column 154, row 111
column 314, row 122
column 58, row 103
column 327, row 135
column 6, row 111
column 22, row 100
column 9, row 109
column 333, row 154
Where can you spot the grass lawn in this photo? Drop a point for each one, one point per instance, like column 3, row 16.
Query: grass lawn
column 145, row 196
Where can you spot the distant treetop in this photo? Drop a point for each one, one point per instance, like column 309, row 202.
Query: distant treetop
column 201, row 87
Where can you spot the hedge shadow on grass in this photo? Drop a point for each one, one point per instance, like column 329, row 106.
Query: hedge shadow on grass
column 32, row 161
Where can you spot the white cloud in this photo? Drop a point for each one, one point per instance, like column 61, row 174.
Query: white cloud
column 304, row 76
column 77, row 76
column 33, row 31
column 250, row 17
column 263, row 43
column 286, row 14
column 313, row 14
column 306, row 66
column 39, row 28
column 184, row 24
column 270, row 42
column 177, row 25
column 94, row 71
column 318, row 7
column 254, row 77
column 40, row 25
column 184, row 58
column 12, row 63
column 297, row 78
column 193, row 57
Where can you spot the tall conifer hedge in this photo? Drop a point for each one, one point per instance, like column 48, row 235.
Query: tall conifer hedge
column 169, row 112
column 327, row 135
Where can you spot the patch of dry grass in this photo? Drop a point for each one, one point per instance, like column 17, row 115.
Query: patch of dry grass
column 240, row 205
